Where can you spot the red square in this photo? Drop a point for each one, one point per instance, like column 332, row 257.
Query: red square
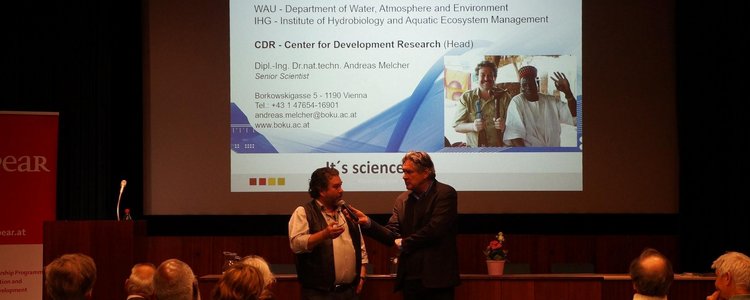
column 262, row 181
column 253, row 181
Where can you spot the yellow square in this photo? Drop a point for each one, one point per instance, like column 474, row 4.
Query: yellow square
column 271, row 181
column 282, row 180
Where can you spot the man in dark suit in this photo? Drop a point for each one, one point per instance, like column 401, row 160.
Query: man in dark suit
column 424, row 226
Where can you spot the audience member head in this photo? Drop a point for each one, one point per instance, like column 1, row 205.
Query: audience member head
column 174, row 280
column 70, row 276
column 241, row 282
column 319, row 180
column 262, row 266
column 421, row 160
column 651, row 273
column 732, row 274
column 141, row 280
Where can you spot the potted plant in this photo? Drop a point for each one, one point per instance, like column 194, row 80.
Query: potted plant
column 496, row 255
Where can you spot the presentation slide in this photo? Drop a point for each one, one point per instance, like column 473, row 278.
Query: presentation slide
column 292, row 86
column 353, row 85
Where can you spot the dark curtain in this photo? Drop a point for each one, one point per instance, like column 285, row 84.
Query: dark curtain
column 712, row 121
column 83, row 60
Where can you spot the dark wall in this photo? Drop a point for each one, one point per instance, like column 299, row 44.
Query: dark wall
column 84, row 60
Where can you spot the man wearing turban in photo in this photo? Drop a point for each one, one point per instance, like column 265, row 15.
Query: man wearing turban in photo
column 534, row 119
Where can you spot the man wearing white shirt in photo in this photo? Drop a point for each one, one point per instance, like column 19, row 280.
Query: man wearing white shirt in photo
column 533, row 119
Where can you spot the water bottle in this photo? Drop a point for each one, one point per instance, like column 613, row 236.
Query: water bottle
column 128, row 217
column 230, row 258
column 393, row 265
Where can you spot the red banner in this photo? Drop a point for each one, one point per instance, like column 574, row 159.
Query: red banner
column 28, row 169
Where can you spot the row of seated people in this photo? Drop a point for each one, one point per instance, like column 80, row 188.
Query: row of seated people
column 72, row 276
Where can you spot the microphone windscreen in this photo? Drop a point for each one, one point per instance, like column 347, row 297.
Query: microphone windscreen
column 346, row 207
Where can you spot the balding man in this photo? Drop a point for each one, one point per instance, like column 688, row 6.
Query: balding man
column 652, row 275
column 174, row 280
column 140, row 284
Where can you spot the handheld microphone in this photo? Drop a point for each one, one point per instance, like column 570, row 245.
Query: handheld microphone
column 497, row 108
column 481, row 135
column 348, row 209
column 119, row 197
column 478, row 107
column 351, row 213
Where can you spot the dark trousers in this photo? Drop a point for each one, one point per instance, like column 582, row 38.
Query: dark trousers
column 345, row 294
column 414, row 290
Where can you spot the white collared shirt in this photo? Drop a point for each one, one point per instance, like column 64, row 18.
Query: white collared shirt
column 643, row 297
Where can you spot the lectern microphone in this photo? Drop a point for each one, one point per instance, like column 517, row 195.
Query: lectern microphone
column 119, row 197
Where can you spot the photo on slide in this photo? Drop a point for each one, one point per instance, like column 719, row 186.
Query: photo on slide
column 505, row 103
